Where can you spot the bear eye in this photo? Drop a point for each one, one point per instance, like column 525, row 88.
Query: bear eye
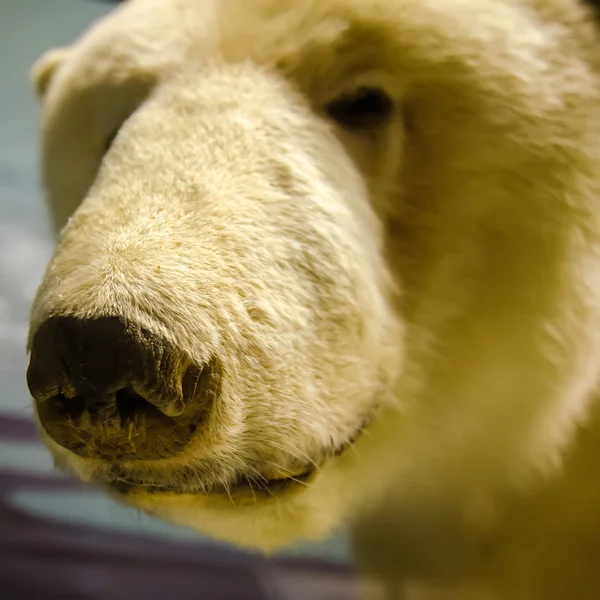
column 365, row 108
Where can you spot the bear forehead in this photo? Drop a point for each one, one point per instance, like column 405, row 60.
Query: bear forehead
column 144, row 39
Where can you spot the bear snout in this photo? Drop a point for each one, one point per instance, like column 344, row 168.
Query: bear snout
column 107, row 388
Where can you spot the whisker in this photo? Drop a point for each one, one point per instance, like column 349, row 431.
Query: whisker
column 251, row 489
column 264, row 481
column 300, row 456
column 226, row 486
column 300, row 482
column 260, row 475
column 274, row 464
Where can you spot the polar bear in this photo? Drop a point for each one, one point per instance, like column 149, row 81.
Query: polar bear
column 334, row 262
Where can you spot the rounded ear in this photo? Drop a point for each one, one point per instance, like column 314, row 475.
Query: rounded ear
column 43, row 70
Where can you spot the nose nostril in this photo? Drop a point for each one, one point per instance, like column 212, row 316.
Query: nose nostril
column 124, row 404
column 69, row 407
column 129, row 403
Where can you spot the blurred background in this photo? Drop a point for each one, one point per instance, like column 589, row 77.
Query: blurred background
column 58, row 538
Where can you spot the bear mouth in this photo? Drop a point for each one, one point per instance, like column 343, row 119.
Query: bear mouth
column 256, row 486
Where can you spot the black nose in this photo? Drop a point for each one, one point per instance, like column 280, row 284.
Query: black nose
column 106, row 387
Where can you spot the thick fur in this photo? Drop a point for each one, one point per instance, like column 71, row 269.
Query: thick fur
column 440, row 277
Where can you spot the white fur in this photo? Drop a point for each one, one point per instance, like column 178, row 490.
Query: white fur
column 443, row 273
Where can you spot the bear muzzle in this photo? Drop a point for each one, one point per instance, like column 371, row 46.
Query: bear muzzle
column 107, row 388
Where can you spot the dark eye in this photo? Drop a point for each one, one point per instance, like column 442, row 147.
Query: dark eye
column 365, row 108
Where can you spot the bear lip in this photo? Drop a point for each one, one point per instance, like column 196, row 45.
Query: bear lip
column 257, row 486
column 254, row 485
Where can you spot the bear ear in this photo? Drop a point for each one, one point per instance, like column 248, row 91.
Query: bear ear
column 43, row 70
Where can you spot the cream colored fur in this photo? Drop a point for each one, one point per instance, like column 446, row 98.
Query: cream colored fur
column 441, row 276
